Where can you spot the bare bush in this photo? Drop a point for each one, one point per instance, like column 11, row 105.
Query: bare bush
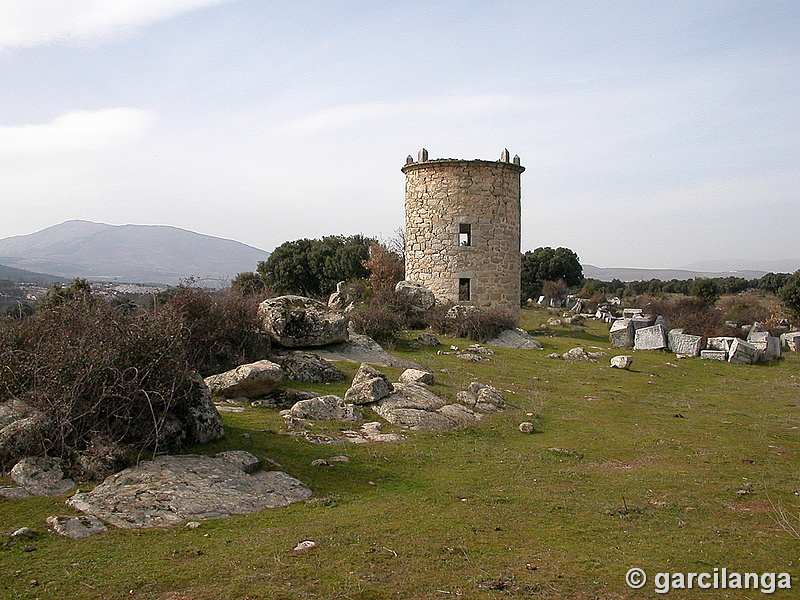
column 222, row 330
column 744, row 309
column 477, row 324
column 385, row 267
column 99, row 375
column 385, row 314
column 691, row 314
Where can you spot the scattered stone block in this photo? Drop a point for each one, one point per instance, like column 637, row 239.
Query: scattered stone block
column 755, row 329
column 768, row 345
column 622, row 362
column 621, row 333
column 714, row 355
column 650, row 338
column 643, row 321
column 720, row 343
column 526, row 427
column 684, row 343
column 791, row 340
column 743, row 353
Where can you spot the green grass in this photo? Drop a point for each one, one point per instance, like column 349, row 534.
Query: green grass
column 486, row 512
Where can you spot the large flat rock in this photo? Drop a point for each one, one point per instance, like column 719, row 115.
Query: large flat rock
column 171, row 489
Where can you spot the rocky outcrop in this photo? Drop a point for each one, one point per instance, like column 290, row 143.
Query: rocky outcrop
column 171, row 489
column 253, row 380
column 204, row 423
column 308, row 367
column 368, row 391
column 485, row 398
column 363, row 349
column 516, row 338
column 323, row 408
column 21, row 430
column 418, row 295
column 344, row 298
column 76, row 527
column 578, row 354
column 41, row 476
column 416, row 407
column 417, row 376
column 371, row 432
column 369, row 385
column 296, row 321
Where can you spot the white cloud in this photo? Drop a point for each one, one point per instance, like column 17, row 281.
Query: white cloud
column 37, row 22
column 76, row 131
column 346, row 115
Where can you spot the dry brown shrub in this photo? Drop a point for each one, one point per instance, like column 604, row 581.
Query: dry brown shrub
column 98, row 374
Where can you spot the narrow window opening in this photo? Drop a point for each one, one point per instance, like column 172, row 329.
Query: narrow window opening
column 465, row 234
column 463, row 290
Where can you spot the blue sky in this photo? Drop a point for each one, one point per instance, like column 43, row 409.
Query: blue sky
column 655, row 134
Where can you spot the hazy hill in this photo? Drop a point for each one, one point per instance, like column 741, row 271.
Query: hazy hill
column 625, row 274
column 129, row 253
column 769, row 266
column 22, row 276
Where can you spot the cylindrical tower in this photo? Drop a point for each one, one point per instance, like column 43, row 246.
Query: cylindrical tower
column 463, row 229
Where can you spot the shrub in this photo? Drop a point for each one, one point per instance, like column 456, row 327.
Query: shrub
column 477, row 324
column 222, row 330
column 314, row 267
column 705, row 289
column 385, row 267
column 97, row 374
column 744, row 310
column 381, row 322
column 385, row 314
column 789, row 294
column 693, row 315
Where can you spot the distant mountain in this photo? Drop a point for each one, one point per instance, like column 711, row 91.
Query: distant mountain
column 768, row 266
column 22, row 276
column 625, row 274
column 129, row 253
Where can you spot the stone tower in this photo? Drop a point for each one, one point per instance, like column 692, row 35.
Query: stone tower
column 463, row 229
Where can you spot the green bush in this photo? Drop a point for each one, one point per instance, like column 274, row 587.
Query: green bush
column 314, row 267
column 789, row 294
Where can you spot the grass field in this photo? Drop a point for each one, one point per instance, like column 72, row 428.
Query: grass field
column 652, row 472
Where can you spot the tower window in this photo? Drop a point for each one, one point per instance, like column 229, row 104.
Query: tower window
column 463, row 290
column 465, row 234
